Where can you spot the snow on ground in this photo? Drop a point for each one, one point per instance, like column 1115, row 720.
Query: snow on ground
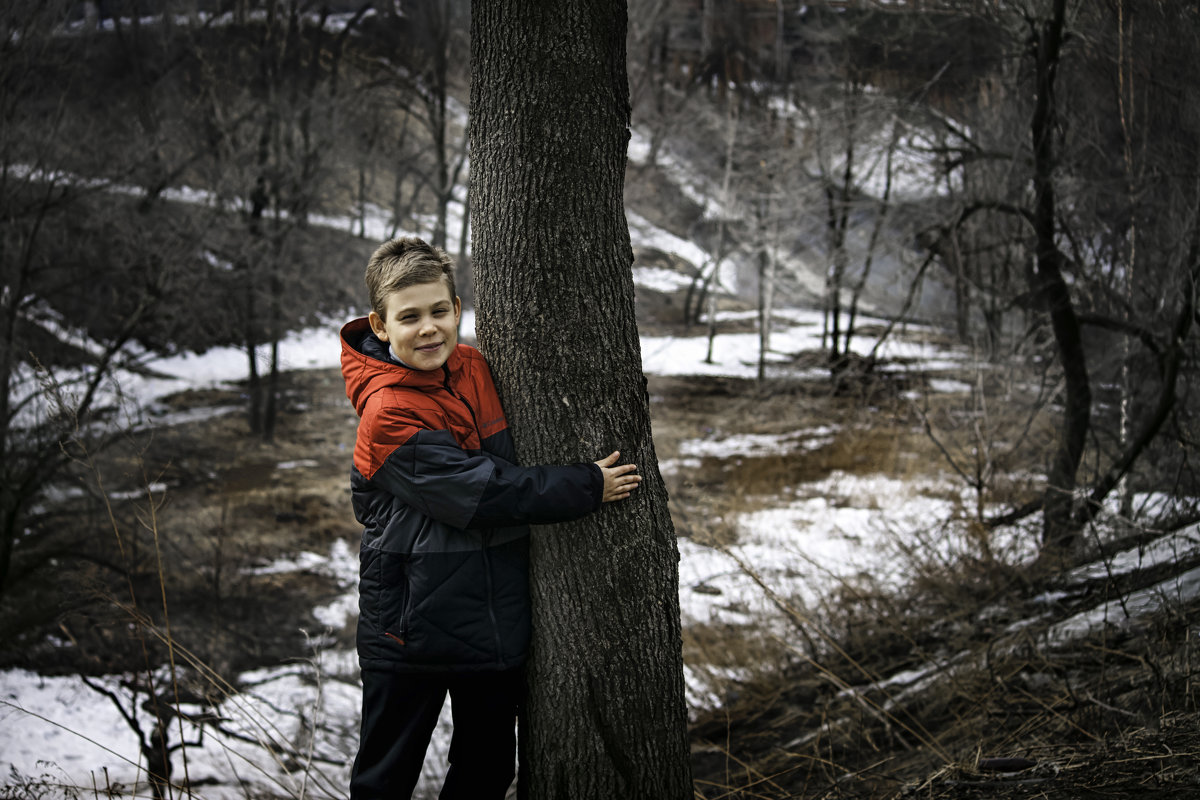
column 833, row 533
column 643, row 233
column 136, row 392
column 1174, row 591
column 50, row 719
column 1165, row 550
column 801, row 547
column 824, row 536
column 841, row 528
column 660, row 279
column 757, row 444
column 916, row 172
column 691, row 182
column 57, row 725
column 794, row 331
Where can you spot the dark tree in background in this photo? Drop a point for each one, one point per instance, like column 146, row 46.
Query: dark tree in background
column 555, row 303
column 1109, row 241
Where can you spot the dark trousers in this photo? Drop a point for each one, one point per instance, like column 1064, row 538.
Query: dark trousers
column 399, row 714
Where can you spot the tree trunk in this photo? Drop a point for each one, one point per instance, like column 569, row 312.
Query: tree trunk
column 253, row 384
column 1048, row 284
column 885, row 205
column 606, row 715
column 766, row 298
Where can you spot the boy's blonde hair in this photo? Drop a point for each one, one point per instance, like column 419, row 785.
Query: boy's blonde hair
column 402, row 262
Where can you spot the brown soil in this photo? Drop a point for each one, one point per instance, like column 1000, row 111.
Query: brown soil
column 221, row 502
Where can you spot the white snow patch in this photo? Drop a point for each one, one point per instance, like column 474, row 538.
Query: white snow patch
column 756, row 444
column 946, row 386
column 843, row 531
column 660, row 279
column 302, row 463
column 1174, row 591
column 643, row 233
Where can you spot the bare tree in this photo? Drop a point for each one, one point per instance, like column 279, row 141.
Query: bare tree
column 62, row 339
column 422, row 55
column 273, row 144
column 1095, row 190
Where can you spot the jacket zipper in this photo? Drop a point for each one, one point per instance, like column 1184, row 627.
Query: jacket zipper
column 405, row 610
column 487, row 570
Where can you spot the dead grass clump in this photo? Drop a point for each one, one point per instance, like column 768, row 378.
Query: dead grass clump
column 731, row 663
column 907, row 698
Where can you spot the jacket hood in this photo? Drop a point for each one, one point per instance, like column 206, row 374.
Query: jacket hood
column 367, row 367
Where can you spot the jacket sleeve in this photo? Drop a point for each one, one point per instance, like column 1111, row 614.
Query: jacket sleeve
column 430, row 472
column 537, row 495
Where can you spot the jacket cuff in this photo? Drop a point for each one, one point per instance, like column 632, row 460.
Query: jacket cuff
column 597, row 486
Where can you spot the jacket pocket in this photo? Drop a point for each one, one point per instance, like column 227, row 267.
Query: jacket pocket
column 395, row 596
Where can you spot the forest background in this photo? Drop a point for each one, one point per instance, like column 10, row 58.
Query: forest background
column 1020, row 178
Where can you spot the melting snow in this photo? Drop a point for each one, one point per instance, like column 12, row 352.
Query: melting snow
column 837, row 533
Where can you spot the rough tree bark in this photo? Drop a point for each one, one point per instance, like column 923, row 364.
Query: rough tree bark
column 606, row 715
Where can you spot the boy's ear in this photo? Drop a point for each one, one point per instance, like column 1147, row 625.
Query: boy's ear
column 378, row 326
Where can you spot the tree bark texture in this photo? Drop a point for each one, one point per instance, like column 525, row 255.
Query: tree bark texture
column 606, row 715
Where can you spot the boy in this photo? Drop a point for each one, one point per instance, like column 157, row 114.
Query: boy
column 443, row 581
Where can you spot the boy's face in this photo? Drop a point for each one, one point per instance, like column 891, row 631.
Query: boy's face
column 421, row 324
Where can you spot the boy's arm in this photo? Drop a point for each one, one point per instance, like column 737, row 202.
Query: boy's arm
column 538, row 494
column 430, row 472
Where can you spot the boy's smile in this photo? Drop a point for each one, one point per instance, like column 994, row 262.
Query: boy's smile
column 421, row 325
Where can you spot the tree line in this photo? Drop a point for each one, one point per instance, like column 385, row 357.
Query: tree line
column 1062, row 218
column 167, row 184
column 1029, row 162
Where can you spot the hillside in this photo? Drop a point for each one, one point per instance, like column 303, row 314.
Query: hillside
column 187, row 221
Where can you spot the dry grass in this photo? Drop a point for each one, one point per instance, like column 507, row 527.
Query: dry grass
column 169, row 583
column 917, row 691
column 816, row 705
column 1113, row 710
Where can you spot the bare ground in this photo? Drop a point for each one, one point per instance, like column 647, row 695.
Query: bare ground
column 1114, row 717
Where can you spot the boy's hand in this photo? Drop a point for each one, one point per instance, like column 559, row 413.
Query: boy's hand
column 620, row 481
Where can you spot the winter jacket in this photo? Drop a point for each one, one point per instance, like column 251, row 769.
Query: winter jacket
column 443, row 565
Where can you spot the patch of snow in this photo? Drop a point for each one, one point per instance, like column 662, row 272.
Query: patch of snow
column 139, row 494
column 673, row 466
column 40, row 313
column 843, row 532
column 660, row 279
column 946, row 386
column 303, row 463
column 299, row 562
column 60, row 721
column 708, row 687
column 1169, row 549
column 735, row 316
column 216, row 262
column 755, row 444
column 690, row 182
column 795, row 330
column 643, row 233
column 1174, row 591
column 161, row 418
column 134, row 394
